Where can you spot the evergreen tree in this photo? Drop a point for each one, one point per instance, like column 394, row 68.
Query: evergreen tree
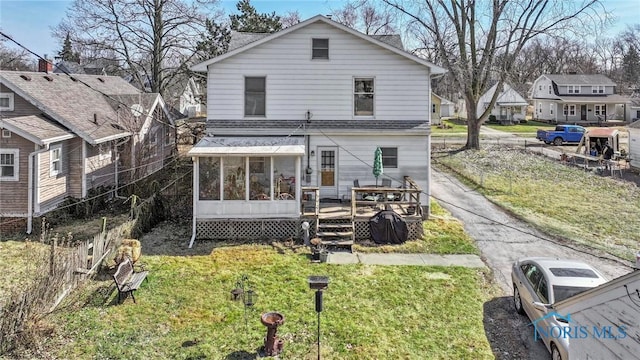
column 67, row 54
column 249, row 20
column 214, row 42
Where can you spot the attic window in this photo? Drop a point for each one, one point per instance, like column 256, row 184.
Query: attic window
column 101, row 80
column 26, row 77
column 49, row 78
column 6, row 101
column 320, row 49
column 6, row 133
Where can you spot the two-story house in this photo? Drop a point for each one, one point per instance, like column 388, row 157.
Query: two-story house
column 581, row 99
column 64, row 135
column 308, row 106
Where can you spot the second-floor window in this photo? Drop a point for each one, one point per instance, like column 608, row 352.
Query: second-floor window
column 320, row 49
column 363, row 95
column 55, row 159
column 254, row 96
column 597, row 89
column 573, row 89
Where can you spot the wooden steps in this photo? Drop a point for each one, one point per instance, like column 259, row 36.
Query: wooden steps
column 335, row 234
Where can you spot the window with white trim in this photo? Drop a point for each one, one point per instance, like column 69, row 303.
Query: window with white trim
column 6, row 101
column 600, row 109
column 320, row 49
column 55, row 160
column 540, row 108
column 549, row 89
column 572, row 110
column 6, row 133
column 598, row 89
column 389, row 157
column 551, row 108
column 363, row 96
column 9, row 164
column 573, row 89
column 255, row 94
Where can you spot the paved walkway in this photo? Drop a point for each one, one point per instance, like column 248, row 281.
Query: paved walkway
column 465, row 260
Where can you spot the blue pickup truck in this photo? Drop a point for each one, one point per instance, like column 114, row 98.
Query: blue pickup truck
column 562, row 134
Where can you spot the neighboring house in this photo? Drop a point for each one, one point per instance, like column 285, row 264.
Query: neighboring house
column 605, row 320
column 187, row 98
column 440, row 108
column 634, row 143
column 63, row 136
column 510, row 107
column 580, row 99
column 307, row 106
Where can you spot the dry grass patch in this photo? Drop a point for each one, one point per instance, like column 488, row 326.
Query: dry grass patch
column 565, row 201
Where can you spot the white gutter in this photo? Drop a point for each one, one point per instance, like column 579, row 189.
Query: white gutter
column 196, row 191
column 31, row 188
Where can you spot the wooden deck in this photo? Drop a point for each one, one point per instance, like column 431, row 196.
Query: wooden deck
column 339, row 223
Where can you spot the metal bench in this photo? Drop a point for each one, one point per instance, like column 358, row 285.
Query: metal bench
column 127, row 280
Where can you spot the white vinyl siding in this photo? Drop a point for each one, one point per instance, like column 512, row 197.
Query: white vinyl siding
column 9, row 169
column 325, row 88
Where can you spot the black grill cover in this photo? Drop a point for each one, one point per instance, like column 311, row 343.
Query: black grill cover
column 387, row 227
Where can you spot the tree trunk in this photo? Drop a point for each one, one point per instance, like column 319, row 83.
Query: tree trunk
column 473, row 126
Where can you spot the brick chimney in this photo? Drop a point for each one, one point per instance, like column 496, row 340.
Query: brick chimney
column 45, row 65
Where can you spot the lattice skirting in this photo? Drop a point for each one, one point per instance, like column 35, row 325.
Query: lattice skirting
column 257, row 229
column 248, row 229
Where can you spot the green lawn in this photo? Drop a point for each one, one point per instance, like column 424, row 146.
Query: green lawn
column 184, row 311
column 530, row 127
column 561, row 200
column 451, row 126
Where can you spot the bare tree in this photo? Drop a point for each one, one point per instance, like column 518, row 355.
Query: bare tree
column 151, row 38
column 479, row 41
column 365, row 17
column 12, row 59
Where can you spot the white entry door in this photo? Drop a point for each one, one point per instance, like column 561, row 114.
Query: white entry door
column 328, row 174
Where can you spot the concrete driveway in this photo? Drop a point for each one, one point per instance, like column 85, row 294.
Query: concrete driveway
column 502, row 239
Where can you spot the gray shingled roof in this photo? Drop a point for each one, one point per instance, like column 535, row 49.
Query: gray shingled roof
column 287, row 126
column 393, row 40
column 38, row 127
column 580, row 79
column 69, row 100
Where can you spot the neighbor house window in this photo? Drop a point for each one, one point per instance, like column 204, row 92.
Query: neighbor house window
column 6, row 133
column 572, row 110
column 9, row 164
column 6, row 102
column 600, row 109
column 389, row 157
column 597, row 89
column 549, row 89
column 363, row 97
column 433, row 108
column 573, row 89
column 254, row 96
column 320, row 49
column 551, row 108
column 55, row 160
column 104, row 151
column 540, row 108
column 152, row 146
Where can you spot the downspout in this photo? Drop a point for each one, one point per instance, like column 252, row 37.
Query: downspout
column 196, row 191
column 31, row 188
